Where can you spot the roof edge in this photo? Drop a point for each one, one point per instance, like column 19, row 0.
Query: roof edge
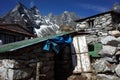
column 93, row 16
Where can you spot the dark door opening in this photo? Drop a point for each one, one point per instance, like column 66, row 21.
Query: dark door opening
column 63, row 63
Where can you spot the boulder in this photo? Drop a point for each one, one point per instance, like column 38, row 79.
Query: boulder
column 113, row 43
column 118, row 53
column 21, row 73
column 115, row 33
column 105, row 40
column 107, row 51
column 117, row 70
column 111, row 59
column 13, row 63
column 91, row 39
column 2, row 73
column 107, row 77
column 102, row 66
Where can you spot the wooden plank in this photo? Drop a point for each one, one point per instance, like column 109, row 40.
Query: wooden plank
column 80, row 45
column 83, row 44
column 38, row 71
column 81, row 60
column 85, row 61
column 76, row 63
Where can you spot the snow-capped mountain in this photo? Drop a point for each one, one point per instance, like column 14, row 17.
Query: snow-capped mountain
column 67, row 18
column 36, row 22
column 36, row 16
column 43, row 24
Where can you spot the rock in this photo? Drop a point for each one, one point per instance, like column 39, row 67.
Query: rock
column 117, row 70
column 1, row 64
column 113, row 43
column 115, row 33
column 107, row 77
column 66, row 28
column 77, row 77
column 91, row 39
column 47, row 70
column 111, row 59
column 13, row 64
column 102, row 66
column 102, row 34
column 72, row 77
column 13, row 74
column 32, row 65
column 14, row 70
column 105, row 40
column 8, row 63
column 21, row 73
column 107, row 51
column 118, row 53
column 118, row 39
column 118, row 47
column 0, row 42
column 88, row 75
column 2, row 73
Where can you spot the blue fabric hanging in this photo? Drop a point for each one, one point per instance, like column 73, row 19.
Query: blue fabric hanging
column 57, row 43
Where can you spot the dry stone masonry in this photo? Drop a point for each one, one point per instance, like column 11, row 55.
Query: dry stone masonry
column 104, row 46
column 99, row 54
column 20, row 68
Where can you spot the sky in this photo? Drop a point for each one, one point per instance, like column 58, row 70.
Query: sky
column 83, row 8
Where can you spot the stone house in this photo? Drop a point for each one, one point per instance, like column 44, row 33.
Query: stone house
column 13, row 33
column 104, row 40
column 103, row 22
column 27, row 60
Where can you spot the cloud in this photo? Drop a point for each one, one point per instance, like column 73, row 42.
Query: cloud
column 31, row 4
column 94, row 7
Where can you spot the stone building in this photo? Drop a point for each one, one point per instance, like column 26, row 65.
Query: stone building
column 13, row 33
column 30, row 60
column 103, row 43
column 27, row 60
column 102, row 22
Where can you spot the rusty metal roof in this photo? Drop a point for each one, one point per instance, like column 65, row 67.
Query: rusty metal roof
column 16, row 28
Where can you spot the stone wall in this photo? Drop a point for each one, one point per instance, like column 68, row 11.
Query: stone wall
column 106, row 65
column 24, row 66
column 101, row 22
column 14, row 70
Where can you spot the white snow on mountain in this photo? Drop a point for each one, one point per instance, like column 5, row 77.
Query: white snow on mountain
column 37, row 23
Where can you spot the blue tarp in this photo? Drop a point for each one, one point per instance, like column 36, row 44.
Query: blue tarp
column 57, row 43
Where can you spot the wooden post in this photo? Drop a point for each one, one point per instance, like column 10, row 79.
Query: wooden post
column 81, row 52
column 38, row 71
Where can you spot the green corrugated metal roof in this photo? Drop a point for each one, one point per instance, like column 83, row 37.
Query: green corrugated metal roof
column 21, row 44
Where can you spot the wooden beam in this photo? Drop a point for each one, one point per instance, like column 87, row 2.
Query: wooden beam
column 81, row 60
column 38, row 71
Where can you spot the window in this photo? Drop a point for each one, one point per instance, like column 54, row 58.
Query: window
column 91, row 23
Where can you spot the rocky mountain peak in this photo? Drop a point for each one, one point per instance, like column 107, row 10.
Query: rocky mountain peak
column 34, row 10
column 37, row 23
column 19, row 7
column 51, row 15
column 65, row 12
